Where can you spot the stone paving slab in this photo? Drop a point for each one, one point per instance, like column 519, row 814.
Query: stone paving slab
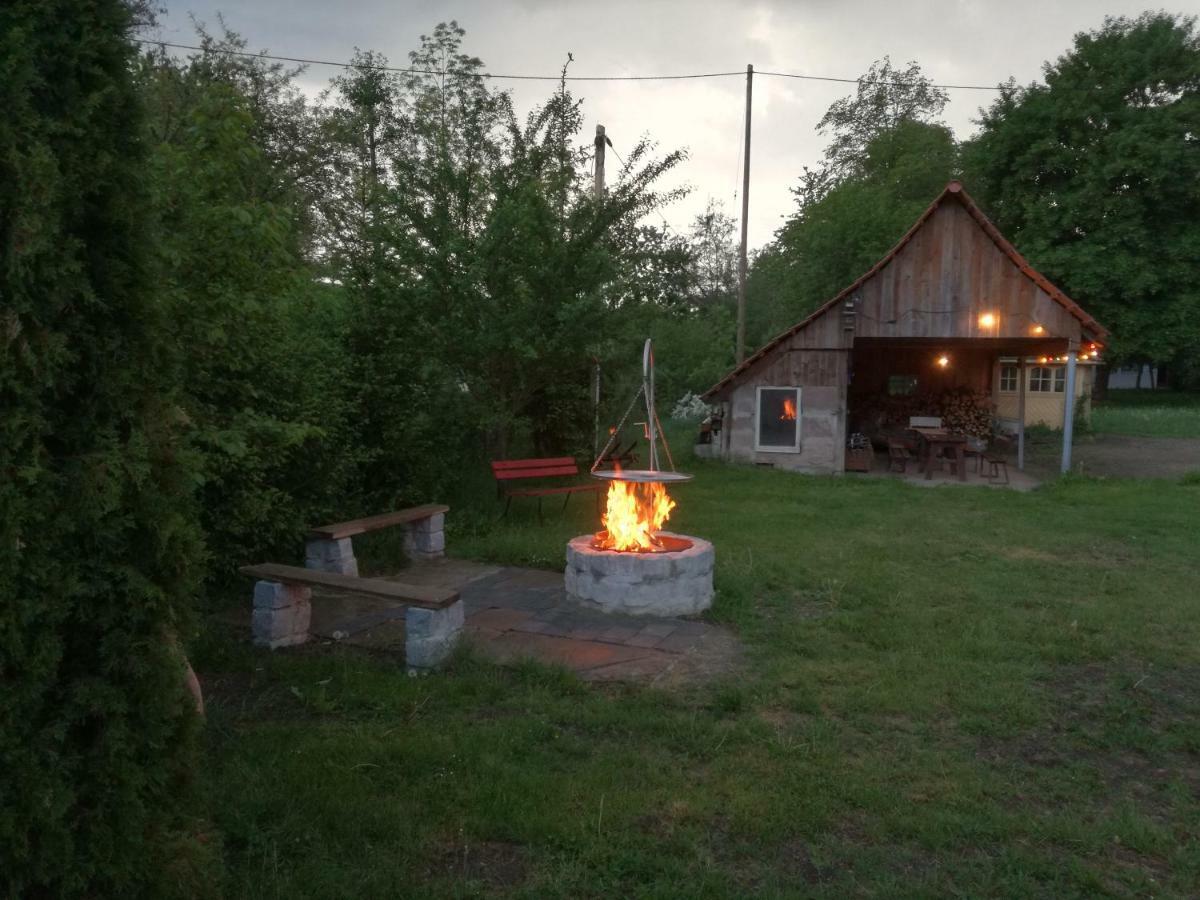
column 514, row 613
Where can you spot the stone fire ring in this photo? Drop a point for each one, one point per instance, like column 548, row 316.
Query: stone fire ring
column 673, row 583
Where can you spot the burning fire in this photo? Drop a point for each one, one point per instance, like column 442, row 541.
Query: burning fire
column 635, row 513
column 789, row 410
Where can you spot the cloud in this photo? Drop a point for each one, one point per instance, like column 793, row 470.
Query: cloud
column 968, row 41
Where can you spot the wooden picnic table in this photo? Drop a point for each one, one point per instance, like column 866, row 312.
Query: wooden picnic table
column 934, row 440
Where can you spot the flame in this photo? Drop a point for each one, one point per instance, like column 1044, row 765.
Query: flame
column 634, row 514
column 789, row 410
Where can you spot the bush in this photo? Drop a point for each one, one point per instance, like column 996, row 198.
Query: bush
column 98, row 550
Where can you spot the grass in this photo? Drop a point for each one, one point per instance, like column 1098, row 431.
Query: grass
column 945, row 692
column 1148, row 414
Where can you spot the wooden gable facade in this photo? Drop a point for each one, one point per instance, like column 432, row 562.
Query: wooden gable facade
column 951, row 285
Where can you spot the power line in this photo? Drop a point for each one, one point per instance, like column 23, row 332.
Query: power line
column 501, row 76
column 412, row 70
column 951, row 87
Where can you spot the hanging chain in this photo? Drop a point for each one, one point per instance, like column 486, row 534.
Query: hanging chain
column 615, row 435
column 662, row 434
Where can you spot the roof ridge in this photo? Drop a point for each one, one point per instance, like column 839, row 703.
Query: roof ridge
column 954, row 188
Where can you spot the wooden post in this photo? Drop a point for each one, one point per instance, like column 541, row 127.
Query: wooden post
column 741, row 308
column 1021, row 388
column 601, row 140
column 1069, row 409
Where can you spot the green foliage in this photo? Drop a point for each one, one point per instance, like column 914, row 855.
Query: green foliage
column 1096, row 177
column 98, row 547
column 266, row 380
column 838, row 236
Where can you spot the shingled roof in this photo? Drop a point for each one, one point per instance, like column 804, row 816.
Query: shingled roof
column 953, row 192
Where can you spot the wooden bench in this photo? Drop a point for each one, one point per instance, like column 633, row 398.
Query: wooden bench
column 330, row 548
column 559, row 467
column 433, row 619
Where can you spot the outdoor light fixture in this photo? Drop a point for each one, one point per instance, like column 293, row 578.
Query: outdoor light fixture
column 943, row 360
column 987, row 320
column 1038, row 329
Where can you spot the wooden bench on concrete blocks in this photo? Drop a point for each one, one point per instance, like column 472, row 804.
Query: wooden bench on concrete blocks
column 433, row 620
column 330, row 549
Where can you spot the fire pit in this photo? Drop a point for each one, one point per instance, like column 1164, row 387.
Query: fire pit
column 632, row 566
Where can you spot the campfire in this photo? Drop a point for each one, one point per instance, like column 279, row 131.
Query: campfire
column 633, row 519
column 631, row 565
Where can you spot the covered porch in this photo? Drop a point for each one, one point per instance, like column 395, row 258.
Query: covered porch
column 960, row 387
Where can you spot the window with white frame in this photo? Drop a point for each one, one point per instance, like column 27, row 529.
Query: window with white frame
column 777, row 419
column 1047, row 380
column 1009, row 378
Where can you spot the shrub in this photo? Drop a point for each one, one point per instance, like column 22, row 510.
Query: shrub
column 98, row 550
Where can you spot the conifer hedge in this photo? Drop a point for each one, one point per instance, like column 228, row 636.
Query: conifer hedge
column 98, row 550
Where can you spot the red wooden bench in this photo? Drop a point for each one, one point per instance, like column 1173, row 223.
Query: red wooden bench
column 507, row 471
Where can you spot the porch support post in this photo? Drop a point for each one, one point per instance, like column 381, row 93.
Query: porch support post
column 1021, row 388
column 1069, row 409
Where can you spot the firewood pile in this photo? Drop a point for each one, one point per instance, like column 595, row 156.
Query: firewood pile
column 961, row 409
column 967, row 412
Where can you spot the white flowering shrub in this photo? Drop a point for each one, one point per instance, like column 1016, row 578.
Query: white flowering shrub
column 690, row 408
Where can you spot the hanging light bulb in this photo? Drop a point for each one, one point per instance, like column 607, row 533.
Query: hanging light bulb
column 943, row 360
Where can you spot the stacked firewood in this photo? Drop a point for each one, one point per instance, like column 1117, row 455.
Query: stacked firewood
column 966, row 411
column 961, row 409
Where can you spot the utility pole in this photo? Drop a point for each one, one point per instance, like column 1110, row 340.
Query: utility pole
column 601, row 140
column 741, row 309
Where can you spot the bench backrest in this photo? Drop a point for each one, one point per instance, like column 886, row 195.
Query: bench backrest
column 924, row 421
column 515, row 469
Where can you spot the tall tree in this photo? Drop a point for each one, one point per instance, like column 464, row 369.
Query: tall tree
column 886, row 97
column 841, row 231
column 98, row 551
column 1095, row 175
column 265, row 372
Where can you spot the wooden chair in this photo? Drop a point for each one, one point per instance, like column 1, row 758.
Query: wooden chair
column 996, row 464
column 898, row 456
column 996, row 460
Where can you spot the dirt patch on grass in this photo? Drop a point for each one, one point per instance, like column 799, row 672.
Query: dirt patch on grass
column 1130, row 724
column 1027, row 553
column 496, row 865
column 246, row 695
column 1125, row 456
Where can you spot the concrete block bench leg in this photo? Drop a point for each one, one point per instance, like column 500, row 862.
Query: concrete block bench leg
column 426, row 538
column 430, row 634
column 331, row 556
column 282, row 613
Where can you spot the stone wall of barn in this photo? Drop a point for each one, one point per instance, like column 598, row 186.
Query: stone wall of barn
column 821, row 377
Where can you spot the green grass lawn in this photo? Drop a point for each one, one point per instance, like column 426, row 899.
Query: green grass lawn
column 1148, row 414
column 948, row 691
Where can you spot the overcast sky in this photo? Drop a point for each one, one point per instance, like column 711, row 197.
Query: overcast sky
column 955, row 41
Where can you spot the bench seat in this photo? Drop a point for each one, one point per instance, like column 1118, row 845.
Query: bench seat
column 330, row 548
column 433, row 617
column 374, row 523
column 408, row 594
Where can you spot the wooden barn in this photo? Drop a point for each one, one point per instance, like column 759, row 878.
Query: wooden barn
column 953, row 322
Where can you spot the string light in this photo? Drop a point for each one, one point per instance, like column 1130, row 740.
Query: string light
column 987, row 320
column 943, row 360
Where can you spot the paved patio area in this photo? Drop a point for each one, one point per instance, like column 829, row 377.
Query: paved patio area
column 943, row 474
column 515, row 614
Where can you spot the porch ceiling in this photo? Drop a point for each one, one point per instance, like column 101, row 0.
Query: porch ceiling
column 1045, row 346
